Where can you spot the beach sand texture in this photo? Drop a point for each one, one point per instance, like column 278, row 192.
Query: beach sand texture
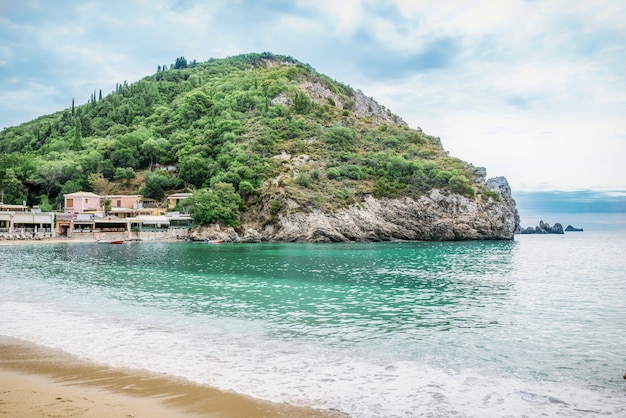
column 42, row 382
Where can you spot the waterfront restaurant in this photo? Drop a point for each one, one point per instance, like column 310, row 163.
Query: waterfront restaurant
column 16, row 222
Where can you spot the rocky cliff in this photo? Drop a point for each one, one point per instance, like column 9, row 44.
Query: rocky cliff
column 435, row 217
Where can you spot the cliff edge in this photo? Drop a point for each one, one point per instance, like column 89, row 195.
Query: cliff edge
column 437, row 216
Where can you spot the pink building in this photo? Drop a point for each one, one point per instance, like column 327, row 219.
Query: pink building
column 83, row 202
column 124, row 206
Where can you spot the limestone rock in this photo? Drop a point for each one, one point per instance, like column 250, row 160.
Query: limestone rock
column 542, row 228
column 437, row 216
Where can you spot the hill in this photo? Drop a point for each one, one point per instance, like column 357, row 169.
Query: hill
column 264, row 141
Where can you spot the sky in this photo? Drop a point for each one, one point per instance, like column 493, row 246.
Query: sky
column 532, row 90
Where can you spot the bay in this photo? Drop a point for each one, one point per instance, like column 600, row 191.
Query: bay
column 506, row 328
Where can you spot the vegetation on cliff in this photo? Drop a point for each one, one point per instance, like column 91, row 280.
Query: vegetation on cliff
column 259, row 134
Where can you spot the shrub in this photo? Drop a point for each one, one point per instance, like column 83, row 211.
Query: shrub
column 354, row 172
column 333, row 173
column 486, row 194
column 304, row 180
column 246, row 187
column 339, row 138
column 461, row 185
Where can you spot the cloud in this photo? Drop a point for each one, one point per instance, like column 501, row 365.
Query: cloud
column 383, row 64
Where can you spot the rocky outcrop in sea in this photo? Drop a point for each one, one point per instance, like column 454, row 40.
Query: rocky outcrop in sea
column 543, row 228
column 437, row 216
column 570, row 228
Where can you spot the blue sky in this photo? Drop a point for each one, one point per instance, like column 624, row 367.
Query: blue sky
column 532, row 90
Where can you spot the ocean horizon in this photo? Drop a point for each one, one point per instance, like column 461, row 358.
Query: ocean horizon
column 590, row 222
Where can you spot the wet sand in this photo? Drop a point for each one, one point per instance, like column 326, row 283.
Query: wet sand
column 41, row 382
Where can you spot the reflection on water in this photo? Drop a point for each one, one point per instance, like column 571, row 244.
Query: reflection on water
column 343, row 293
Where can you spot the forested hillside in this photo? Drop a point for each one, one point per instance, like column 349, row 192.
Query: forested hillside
column 254, row 130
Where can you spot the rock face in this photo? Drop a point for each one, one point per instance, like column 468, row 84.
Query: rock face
column 362, row 106
column 434, row 217
column 573, row 229
column 543, row 228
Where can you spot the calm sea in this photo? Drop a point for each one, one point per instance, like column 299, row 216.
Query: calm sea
column 530, row 327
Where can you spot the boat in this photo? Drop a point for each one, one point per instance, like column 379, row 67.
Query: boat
column 119, row 241
column 214, row 241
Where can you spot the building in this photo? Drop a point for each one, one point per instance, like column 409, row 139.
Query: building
column 123, row 206
column 115, row 217
column 83, row 202
column 17, row 222
column 174, row 199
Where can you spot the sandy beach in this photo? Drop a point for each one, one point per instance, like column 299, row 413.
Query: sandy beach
column 40, row 382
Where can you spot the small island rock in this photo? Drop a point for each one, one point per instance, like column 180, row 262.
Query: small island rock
column 573, row 229
column 542, row 228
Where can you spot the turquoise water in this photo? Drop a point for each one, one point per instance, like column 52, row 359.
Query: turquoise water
column 511, row 328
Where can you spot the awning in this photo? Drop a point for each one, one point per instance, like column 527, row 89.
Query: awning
column 33, row 218
column 153, row 220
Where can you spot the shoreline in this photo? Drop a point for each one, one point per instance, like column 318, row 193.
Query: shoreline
column 58, row 240
column 42, row 381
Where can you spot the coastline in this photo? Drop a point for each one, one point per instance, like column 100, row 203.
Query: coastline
column 58, row 240
column 40, row 381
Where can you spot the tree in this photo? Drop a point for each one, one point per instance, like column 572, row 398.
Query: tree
column 107, row 206
column 180, row 63
column 155, row 186
column 70, row 186
column 301, row 103
column 195, row 169
column 124, row 157
column 77, row 144
column 12, row 188
column 157, row 183
column 124, row 174
column 152, row 149
column 99, row 184
column 15, row 171
column 221, row 204
column 49, row 176
column 195, row 105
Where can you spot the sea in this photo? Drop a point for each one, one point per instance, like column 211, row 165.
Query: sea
column 531, row 327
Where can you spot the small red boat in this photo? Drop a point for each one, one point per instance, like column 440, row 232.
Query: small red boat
column 119, row 241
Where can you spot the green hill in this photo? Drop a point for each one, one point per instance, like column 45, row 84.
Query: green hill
column 253, row 134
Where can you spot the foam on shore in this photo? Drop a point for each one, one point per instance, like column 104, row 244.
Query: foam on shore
column 47, row 382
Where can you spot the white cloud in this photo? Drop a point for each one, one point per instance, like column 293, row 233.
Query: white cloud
column 344, row 17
